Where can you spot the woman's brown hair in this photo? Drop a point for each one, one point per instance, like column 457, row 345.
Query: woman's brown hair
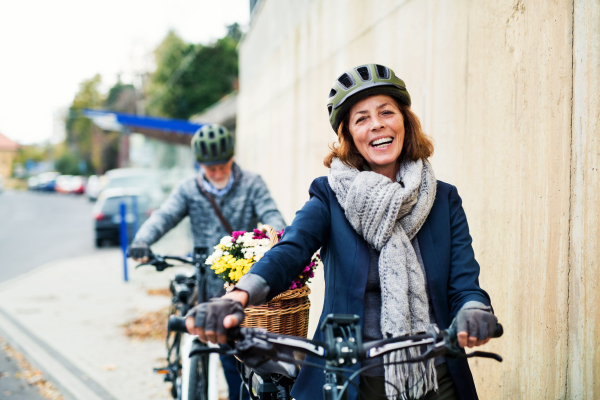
column 416, row 143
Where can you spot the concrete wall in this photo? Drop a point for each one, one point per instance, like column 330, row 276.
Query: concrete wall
column 584, row 278
column 509, row 92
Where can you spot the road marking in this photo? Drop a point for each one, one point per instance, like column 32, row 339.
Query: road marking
column 63, row 374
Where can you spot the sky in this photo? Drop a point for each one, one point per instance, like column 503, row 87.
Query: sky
column 48, row 47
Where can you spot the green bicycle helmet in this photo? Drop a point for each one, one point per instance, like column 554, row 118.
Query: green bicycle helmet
column 213, row 144
column 359, row 83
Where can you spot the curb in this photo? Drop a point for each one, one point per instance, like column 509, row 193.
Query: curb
column 62, row 373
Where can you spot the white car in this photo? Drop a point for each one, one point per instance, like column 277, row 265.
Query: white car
column 146, row 180
column 94, row 186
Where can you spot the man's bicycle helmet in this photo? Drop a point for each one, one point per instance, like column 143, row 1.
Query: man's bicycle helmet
column 359, row 83
column 213, row 144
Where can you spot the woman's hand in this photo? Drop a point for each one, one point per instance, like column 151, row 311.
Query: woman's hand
column 475, row 325
column 211, row 320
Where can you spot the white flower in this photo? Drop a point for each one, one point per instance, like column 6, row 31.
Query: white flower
column 259, row 252
column 226, row 241
column 218, row 253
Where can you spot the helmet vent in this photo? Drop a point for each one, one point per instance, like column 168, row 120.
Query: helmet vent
column 211, row 134
column 330, row 108
column 201, row 134
column 382, row 72
column 203, row 149
column 332, row 93
column 213, row 150
column 223, row 143
column 364, row 73
column 346, row 81
column 221, row 131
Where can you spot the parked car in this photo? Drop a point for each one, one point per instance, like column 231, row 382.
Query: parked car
column 63, row 184
column 107, row 213
column 94, row 186
column 145, row 179
column 47, row 181
column 70, row 184
column 77, row 184
column 32, row 183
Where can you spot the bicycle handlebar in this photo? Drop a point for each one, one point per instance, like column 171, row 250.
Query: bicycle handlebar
column 442, row 342
column 160, row 262
column 177, row 324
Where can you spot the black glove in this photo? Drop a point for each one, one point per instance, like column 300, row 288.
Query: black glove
column 477, row 321
column 137, row 251
column 209, row 316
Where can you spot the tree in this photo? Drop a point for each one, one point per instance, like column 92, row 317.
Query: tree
column 105, row 152
column 78, row 127
column 189, row 78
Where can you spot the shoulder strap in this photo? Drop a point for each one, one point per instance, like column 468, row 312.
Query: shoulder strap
column 214, row 205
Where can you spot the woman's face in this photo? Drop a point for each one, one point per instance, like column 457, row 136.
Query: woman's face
column 377, row 127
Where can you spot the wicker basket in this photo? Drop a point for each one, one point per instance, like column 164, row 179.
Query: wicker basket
column 285, row 314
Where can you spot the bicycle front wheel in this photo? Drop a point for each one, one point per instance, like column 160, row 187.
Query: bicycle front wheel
column 198, row 378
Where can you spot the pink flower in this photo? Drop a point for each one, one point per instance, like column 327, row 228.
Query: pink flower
column 307, row 269
column 258, row 234
column 311, row 275
column 235, row 235
column 293, row 285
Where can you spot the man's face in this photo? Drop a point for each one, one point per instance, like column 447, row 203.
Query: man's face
column 218, row 175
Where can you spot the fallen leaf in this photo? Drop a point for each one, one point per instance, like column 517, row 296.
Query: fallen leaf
column 159, row 292
column 149, row 325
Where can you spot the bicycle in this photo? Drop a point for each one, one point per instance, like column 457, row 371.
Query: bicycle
column 189, row 376
column 270, row 368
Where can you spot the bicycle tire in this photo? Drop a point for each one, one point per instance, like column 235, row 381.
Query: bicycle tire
column 173, row 342
column 198, row 382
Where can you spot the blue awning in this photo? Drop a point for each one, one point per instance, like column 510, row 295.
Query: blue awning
column 114, row 121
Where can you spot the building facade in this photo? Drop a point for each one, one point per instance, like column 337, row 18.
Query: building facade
column 8, row 152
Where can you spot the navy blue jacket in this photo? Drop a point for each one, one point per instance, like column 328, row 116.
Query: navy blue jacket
column 445, row 244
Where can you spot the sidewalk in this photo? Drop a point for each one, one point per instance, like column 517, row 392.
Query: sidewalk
column 66, row 318
column 76, row 308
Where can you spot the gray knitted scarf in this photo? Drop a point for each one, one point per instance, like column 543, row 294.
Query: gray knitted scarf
column 388, row 215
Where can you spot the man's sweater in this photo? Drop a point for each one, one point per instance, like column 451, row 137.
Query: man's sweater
column 243, row 206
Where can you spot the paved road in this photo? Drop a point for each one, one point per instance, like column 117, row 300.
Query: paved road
column 36, row 228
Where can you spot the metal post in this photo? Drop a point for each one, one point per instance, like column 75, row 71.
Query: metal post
column 134, row 210
column 124, row 241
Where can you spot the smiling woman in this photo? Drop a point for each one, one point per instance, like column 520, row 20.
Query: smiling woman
column 394, row 242
column 376, row 121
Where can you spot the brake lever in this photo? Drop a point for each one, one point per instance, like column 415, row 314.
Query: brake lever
column 482, row 354
column 160, row 265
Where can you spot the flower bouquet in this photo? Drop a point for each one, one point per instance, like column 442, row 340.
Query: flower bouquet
column 235, row 254
column 286, row 313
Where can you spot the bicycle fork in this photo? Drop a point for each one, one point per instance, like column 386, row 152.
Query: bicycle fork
column 333, row 387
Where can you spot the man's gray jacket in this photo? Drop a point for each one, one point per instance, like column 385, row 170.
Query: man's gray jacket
column 243, row 206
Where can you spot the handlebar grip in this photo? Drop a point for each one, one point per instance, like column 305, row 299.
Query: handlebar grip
column 177, row 324
column 499, row 331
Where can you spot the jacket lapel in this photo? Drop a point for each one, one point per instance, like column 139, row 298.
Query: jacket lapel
column 433, row 272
